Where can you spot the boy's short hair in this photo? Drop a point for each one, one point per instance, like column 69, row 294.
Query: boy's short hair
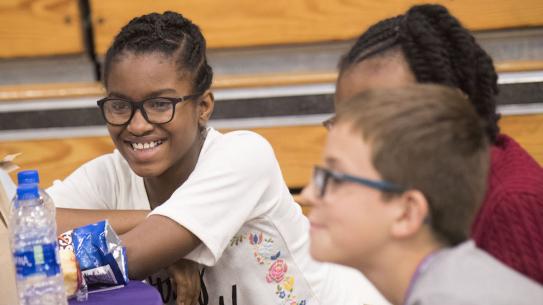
column 428, row 138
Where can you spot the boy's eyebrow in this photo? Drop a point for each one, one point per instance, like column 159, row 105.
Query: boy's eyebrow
column 336, row 163
column 331, row 161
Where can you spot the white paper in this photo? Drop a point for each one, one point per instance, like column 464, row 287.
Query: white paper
column 6, row 166
column 7, row 183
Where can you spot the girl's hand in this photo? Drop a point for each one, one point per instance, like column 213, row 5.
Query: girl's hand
column 185, row 277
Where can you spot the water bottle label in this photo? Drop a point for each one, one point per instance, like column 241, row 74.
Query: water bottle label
column 42, row 259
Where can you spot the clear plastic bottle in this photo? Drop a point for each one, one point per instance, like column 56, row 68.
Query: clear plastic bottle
column 32, row 177
column 34, row 246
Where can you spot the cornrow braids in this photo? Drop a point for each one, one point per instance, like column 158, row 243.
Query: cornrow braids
column 377, row 39
column 438, row 50
column 171, row 34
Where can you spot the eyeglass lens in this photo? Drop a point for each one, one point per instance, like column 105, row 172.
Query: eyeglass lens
column 157, row 110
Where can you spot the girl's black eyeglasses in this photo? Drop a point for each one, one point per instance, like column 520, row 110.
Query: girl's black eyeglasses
column 155, row 110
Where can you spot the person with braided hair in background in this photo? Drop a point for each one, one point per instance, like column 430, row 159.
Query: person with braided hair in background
column 218, row 200
column 429, row 45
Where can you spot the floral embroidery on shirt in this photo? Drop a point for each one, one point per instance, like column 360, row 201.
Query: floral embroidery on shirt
column 277, row 271
column 266, row 253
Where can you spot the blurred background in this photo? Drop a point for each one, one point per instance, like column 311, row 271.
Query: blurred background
column 274, row 62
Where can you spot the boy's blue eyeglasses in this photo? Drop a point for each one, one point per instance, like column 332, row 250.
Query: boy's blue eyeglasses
column 321, row 177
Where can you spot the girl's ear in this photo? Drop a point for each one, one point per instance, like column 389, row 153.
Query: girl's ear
column 205, row 107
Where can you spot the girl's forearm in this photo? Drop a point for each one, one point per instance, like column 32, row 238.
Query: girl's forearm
column 122, row 221
column 152, row 243
column 155, row 244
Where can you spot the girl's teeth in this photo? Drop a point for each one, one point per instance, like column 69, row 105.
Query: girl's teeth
column 148, row 145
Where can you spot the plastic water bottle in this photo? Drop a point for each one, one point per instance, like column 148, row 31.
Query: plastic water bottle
column 35, row 252
column 32, row 177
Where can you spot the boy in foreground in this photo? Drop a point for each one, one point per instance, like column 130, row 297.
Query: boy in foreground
column 404, row 173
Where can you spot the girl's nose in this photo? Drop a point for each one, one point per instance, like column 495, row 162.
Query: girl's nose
column 138, row 124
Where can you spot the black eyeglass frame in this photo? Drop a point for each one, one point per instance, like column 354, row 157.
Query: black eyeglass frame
column 322, row 183
column 328, row 123
column 139, row 106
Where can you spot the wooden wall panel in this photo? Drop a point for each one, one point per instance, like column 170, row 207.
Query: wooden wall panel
column 56, row 158
column 297, row 149
column 528, row 131
column 239, row 23
column 40, row 27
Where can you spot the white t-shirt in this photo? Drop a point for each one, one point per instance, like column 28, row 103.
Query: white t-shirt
column 254, row 236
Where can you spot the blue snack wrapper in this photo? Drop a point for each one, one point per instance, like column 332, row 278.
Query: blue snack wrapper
column 100, row 254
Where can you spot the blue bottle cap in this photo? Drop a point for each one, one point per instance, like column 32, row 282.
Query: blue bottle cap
column 28, row 192
column 28, row 176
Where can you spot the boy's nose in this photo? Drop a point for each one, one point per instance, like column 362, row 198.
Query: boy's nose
column 307, row 196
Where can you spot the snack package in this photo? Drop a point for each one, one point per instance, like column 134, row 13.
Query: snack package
column 98, row 251
column 74, row 283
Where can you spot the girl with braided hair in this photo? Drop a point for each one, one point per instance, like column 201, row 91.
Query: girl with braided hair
column 428, row 45
column 217, row 199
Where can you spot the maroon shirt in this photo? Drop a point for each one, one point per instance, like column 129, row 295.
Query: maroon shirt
column 509, row 224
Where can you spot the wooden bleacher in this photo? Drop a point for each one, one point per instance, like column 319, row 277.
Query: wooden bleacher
column 29, row 26
column 40, row 28
column 241, row 23
column 54, row 27
column 297, row 148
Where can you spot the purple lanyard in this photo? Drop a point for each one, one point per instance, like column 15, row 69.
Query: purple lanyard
column 421, row 268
